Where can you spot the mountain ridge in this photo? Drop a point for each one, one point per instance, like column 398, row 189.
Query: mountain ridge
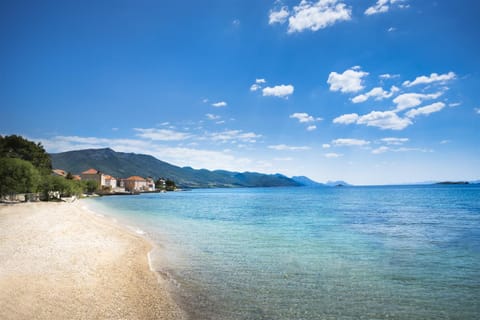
column 122, row 165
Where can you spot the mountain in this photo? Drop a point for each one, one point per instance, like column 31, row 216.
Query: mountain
column 305, row 181
column 337, row 183
column 123, row 165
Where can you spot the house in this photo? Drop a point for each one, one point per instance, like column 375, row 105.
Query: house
column 135, row 183
column 110, row 182
column 95, row 175
column 150, row 184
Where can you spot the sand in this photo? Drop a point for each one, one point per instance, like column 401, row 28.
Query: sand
column 60, row 261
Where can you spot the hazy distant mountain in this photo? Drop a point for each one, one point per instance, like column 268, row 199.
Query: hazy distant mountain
column 122, row 165
column 337, row 183
column 305, row 181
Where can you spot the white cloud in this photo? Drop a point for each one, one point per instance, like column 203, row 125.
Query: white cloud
column 279, row 16
column 333, row 155
column 348, row 81
column 378, row 93
column 384, row 149
column 161, row 134
column 382, row 6
column 454, row 104
column 326, row 146
column 391, row 29
column 350, row 142
column 434, row 77
column 434, row 107
column 381, row 149
column 389, row 76
column 212, row 116
column 303, row 117
column 346, row 118
column 284, row 147
column 219, row 104
column 394, row 141
column 477, row 110
column 255, row 87
column 384, row 120
column 410, row 100
column 282, row 91
column 311, row 128
column 308, row 15
column 260, row 81
column 233, row 136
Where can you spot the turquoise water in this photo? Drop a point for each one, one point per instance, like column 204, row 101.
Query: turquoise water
column 406, row 252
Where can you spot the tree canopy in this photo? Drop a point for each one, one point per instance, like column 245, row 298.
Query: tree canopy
column 18, row 147
column 17, row 176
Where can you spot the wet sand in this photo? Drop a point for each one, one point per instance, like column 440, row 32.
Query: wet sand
column 60, row 261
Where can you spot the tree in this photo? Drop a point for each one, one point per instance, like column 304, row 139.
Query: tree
column 170, row 185
column 91, row 185
column 17, row 176
column 17, row 147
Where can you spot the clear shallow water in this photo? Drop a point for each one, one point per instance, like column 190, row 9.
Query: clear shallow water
column 407, row 252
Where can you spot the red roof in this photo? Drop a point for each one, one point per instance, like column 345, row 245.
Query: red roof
column 75, row 177
column 90, row 171
column 135, row 178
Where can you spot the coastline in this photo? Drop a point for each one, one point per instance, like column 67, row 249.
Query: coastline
column 60, row 260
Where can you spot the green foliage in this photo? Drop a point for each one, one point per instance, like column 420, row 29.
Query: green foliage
column 91, row 185
column 69, row 176
column 170, row 185
column 160, row 184
column 63, row 187
column 17, row 147
column 17, row 176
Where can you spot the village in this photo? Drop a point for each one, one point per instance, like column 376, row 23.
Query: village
column 106, row 184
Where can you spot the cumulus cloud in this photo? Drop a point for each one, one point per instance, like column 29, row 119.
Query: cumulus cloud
column 348, row 81
column 304, row 117
column 257, row 85
column 326, row 146
column 161, row 134
column 284, row 147
column 344, row 142
column 382, row 6
column 384, row 120
column 311, row 127
column 434, row 107
column 346, row 118
column 219, row 104
column 434, row 77
column 309, row 15
column 282, row 91
column 278, row 16
column 377, row 93
column 410, row 100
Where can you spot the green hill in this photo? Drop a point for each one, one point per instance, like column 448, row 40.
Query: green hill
column 122, row 165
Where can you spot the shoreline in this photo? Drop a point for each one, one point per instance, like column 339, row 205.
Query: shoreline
column 62, row 260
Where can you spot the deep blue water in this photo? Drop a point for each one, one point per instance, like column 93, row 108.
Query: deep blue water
column 397, row 252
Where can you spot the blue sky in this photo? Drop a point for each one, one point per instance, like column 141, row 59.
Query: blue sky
column 371, row 92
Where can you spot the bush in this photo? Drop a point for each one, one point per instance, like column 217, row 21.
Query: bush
column 17, row 176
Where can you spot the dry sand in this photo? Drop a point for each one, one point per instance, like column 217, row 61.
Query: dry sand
column 59, row 261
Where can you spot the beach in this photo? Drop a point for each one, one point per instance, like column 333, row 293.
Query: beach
column 61, row 261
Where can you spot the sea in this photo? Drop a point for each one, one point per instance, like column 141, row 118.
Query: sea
column 386, row 252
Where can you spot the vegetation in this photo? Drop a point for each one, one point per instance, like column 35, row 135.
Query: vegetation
column 17, row 147
column 17, row 176
column 25, row 167
column 170, row 185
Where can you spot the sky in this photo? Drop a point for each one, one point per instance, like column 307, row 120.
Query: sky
column 366, row 91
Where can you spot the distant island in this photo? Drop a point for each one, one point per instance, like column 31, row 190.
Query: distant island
column 453, row 182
